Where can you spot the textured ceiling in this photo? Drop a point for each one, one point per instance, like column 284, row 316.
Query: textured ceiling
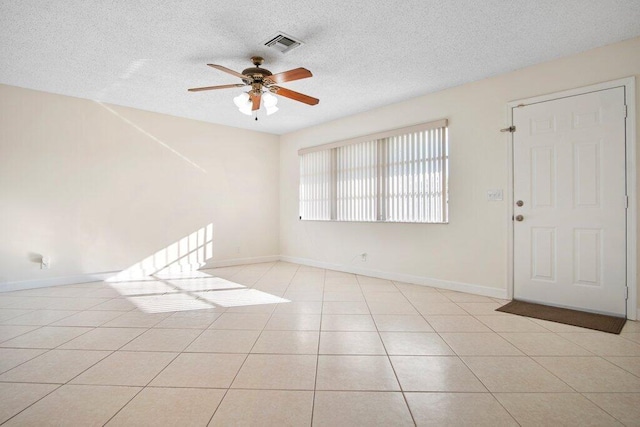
column 363, row 54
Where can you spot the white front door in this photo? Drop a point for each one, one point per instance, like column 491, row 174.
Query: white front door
column 569, row 178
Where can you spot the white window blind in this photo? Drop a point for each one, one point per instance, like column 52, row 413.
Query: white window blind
column 415, row 188
column 357, row 170
column 315, row 185
column 396, row 176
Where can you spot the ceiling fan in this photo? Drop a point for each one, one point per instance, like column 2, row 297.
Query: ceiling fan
column 263, row 84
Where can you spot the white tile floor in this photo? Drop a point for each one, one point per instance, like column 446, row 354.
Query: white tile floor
column 282, row 344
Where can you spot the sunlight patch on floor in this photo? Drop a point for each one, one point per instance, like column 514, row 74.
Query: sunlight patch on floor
column 204, row 284
column 173, row 293
column 169, row 303
column 151, row 287
column 241, row 297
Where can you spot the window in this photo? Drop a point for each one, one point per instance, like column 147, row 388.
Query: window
column 396, row 176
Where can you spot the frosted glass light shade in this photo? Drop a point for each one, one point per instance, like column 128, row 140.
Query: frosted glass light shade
column 271, row 109
column 241, row 99
column 246, row 108
column 243, row 102
column 269, row 100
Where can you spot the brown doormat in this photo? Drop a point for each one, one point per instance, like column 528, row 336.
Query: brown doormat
column 599, row 322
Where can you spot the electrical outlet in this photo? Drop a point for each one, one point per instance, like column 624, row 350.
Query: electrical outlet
column 363, row 257
column 494, row 195
column 45, row 263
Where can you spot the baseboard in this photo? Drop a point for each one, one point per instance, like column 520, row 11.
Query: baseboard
column 55, row 281
column 239, row 261
column 470, row 288
column 97, row 277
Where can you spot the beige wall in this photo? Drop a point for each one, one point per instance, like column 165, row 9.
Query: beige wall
column 472, row 248
column 98, row 188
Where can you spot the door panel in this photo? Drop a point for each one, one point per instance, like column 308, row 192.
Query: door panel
column 569, row 172
column 588, row 257
column 586, row 158
column 543, row 181
column 543, row 260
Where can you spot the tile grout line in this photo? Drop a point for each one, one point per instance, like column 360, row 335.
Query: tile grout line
column 254, row 343
column 601, row 408
column 33, row 403
column 315, row 380
column 60, row 384
column 483, row 384
column 493, row 394
column 46, row 324
column 226, row 390
column 102, row 359
column 404, row 397
column 624, row 369
column 459, row 357
column 47, row 350
column 151, row 380
column 163, row 369
column 22, row 363
column 24, row 333
column 98, row 361
column 29, row 311
column 501, row 405
column 329, row 390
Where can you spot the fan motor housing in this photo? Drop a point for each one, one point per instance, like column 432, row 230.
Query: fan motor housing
column 256, row 72
column 256, row 75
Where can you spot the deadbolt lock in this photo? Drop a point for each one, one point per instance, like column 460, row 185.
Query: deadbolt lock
column 519, row 203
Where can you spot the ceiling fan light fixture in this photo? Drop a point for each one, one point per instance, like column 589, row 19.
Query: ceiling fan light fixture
column 271, row 109
column 269, row 100
column 244, row 104
column 246, row 109
column 241, row 99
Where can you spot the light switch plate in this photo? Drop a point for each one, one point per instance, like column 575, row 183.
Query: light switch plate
column 494, row 195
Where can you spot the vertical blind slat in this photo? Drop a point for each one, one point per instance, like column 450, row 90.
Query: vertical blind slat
column 423, row 156
column 414, row 176
column 432, row 171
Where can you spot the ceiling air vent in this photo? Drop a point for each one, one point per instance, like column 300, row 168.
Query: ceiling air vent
column 282, row 42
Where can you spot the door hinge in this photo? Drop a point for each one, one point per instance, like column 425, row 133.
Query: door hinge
column 626, row 293
column 509, row 129
column 626, row 202
column 625, row 111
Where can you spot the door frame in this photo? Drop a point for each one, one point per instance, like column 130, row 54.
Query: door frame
column 633, row 308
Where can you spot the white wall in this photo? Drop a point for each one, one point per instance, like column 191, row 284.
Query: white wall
column 98, row 187
column 472, row 248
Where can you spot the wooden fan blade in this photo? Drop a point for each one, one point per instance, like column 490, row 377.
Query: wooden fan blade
column 289, row 76
column 296, row 96
column 198, row 89
column 256, row 101
column 226, row 70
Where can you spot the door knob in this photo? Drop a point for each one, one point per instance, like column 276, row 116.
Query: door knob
column 519, row 217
